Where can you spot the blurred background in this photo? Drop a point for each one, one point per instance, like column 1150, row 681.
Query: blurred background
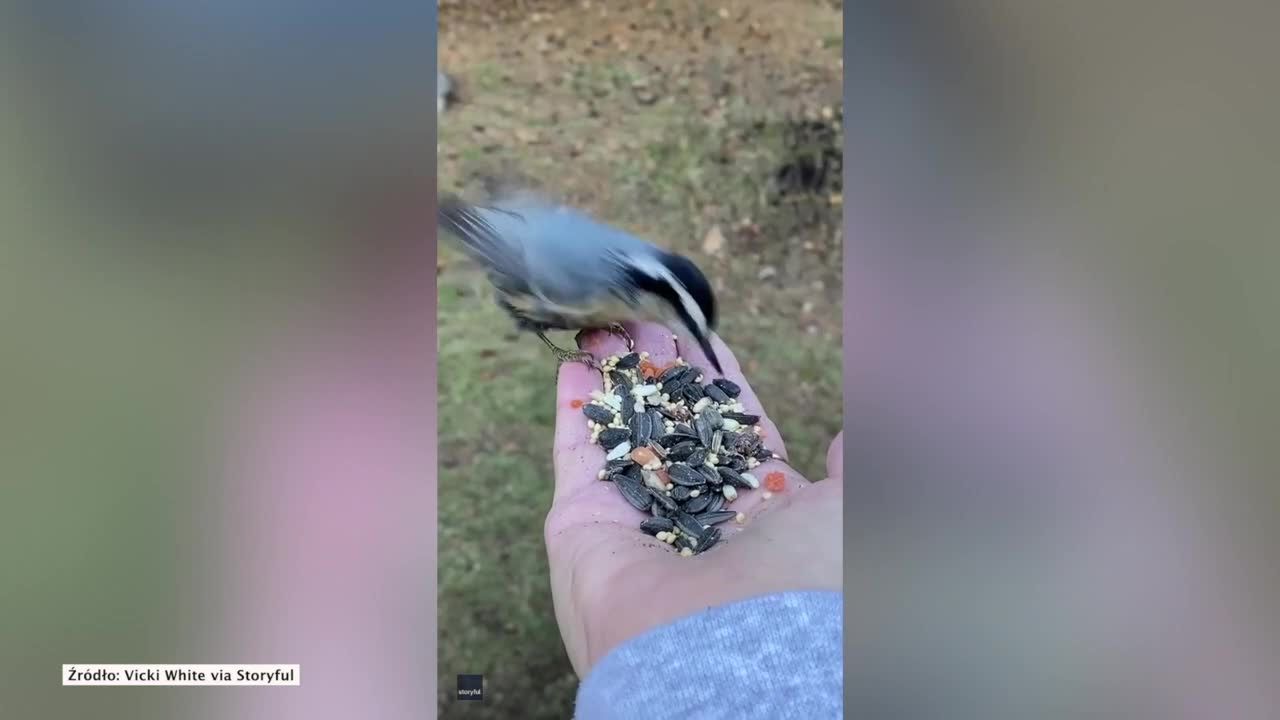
column 216, row 342
column 713, row 129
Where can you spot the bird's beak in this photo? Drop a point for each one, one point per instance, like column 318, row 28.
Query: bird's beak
column 705, row 342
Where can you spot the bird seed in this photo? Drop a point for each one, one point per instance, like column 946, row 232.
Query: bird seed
column 677, row 450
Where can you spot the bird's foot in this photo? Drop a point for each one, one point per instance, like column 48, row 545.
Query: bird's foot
column 617, row 329
column 570, row 355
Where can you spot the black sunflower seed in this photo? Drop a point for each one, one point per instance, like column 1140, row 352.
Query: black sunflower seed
column 657, row 511
column 672, row 373
column 729, row 387
column 716, row 394
column 621, row 383
column 666, row 503
column 600, row 414
column 614, row 437
column 628, row 361
column 672, row 414
column 688, row 525
column 680, row 493
column 713, row 477
column 743, row 418
column 717, row 502
column 745, row 443
column 763, row 453
column 710, row 474
column 698, row 504
column 733, row 478
column 715, row 517
column 614, row 466
column 734, row 461
column 704, row 429
column 632, row 471
column 692, row 393
column 712, row 417
column 707, row 541
column 655, row 525
column 634, row 492
column 641, row 429
column 658, row 422
column 698, row 457
column 682, row 450
column 682, row 474
column 628, row 410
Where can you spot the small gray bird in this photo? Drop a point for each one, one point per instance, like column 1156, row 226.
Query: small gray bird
column 556, row 269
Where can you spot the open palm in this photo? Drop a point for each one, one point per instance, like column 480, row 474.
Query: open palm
column 610, row 582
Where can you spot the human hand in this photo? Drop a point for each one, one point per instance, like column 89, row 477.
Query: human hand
column 611, row 583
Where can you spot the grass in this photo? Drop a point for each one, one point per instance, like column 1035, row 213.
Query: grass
column 667, row 171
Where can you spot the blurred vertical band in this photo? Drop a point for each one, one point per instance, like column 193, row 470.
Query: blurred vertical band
column 217, row 352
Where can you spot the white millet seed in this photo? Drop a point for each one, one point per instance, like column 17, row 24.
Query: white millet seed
column 671, row 539
column 757, row 429
column 730, row 424
column 752, row 462
column 766, row 495
column 686, row 552
column 662, row 535
column 670, row 487
column 739, row 518
column 712, row 459
column 701, row 404
column 730, row 494
column 694, row 493
column 644, row 355
column 601, row 475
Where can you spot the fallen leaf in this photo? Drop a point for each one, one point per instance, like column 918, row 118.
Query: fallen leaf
column 713, row 243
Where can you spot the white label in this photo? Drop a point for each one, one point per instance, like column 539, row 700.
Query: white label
column 181, row 675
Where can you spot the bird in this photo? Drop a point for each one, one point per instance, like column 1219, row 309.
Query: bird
column 556, row 268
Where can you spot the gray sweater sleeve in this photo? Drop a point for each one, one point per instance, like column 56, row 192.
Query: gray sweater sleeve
column 774, row 657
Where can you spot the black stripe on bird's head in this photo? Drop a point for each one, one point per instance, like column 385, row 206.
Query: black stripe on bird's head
column 682, row 286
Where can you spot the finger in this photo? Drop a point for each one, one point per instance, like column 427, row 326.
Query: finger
column 693, row 354
column 835, row 458
column 577, row 460
column 655, row 340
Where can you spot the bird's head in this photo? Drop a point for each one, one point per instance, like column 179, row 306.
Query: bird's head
column 682, row 292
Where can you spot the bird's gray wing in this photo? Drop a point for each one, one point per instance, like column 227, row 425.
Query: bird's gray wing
column 476, row 233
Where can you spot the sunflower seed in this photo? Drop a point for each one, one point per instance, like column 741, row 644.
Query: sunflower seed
column 656, row 510
column 729, row 387
column 681, row 451
column 763, row 453
column 632, row 471
column 618, row 451
column 674, row 414
column 715, row 517
column 687, row 525
column 641, row 429
column 717, row 441
column 598, row 413
column 717, row 502
column 682, row 474
column 743, row 418
column 628, row 410
column 704, row 429
column 613, row 437
column 666, row 503
column 734, row 462
column 684, row 542
column 694, row 392
column 680, row 493
column 618, row 465
column 750, row 480
column 698, row 504
column 672, row 373
column 634, row 493
column 655, row 525
column 709, row 474
column 713, row 417
column 715, row 393
column 733, row 478
column 707, row 541
column 697, row 457
column 628, row 361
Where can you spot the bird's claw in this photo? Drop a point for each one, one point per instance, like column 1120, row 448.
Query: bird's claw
column 620, row 331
